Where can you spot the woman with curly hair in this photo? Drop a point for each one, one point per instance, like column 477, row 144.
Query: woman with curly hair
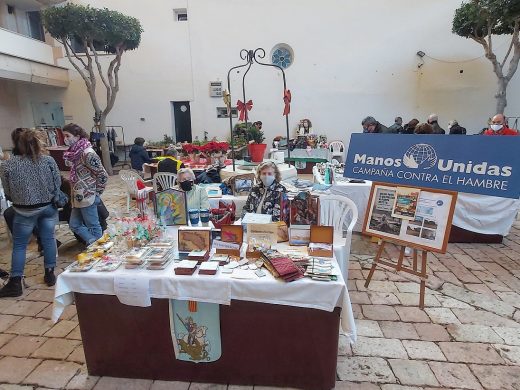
column 88, row 179
column 268, row 196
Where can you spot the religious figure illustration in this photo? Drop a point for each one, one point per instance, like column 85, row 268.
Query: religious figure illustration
column 194, row 342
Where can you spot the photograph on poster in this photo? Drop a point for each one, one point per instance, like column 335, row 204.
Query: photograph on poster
column 405, row 203
column 428, row 229
column 381, row 219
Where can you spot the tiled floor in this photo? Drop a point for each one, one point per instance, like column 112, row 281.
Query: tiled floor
column 467, row 337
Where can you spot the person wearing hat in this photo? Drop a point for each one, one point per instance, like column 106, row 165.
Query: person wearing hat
column 139, row 155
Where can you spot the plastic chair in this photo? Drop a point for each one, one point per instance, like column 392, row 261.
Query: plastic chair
column 337, row 149
column 130, row 177
column 334, row 211
column 163, row 180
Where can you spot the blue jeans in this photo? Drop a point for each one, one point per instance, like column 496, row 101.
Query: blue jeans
column 45, row 220
column 84, row 222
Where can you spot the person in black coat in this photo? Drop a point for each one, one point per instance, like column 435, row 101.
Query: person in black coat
column 455, row 128
column 139, row 155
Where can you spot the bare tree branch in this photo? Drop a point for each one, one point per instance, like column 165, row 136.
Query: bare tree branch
column 489, row 54
column 100, row 71
column 513, row 64
column 507, row 54
column 90, row 89
column 69, row 46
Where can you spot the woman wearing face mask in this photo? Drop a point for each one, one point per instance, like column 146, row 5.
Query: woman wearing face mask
column 266, row 196
column 88, row 179
column 196, row 197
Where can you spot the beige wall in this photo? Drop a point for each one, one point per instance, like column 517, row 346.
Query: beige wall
column 10, row 115
column 352, row 59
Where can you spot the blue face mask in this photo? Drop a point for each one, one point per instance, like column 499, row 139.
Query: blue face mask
column 267, row 180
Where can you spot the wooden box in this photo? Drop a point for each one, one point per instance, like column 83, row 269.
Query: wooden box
column 322, row 235
column 194, row 238
column 234, row 234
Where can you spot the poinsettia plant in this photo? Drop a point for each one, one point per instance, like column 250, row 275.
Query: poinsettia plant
column 215, row 147
column 191, row 148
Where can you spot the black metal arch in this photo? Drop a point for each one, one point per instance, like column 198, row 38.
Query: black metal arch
column 250, row 57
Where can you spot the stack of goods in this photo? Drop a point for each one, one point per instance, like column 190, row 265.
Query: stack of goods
column 136, row 258
column 220, row 258
column 208, row 268
column 158, row 258
column 281, row 266
column 321, row 269
column 95, row 252
column 186, row 267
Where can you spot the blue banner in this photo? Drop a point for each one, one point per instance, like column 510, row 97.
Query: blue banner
column 487, row 165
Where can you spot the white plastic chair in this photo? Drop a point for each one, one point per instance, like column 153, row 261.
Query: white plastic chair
column 335, row 211
column 164, row 180
column 337, row 149
column 130, row 177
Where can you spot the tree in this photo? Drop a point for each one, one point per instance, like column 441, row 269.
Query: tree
column 480, row 20
column 96, row 32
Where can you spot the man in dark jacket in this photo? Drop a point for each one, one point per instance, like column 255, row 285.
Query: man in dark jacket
column 170, row 163
column 397, row 127
column 139, row 155
column 370, row 125
column 455, row 128
column 433, row 121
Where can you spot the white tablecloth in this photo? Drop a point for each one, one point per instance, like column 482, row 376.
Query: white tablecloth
column 485, row 214
column 220, row 288
column 476, row 213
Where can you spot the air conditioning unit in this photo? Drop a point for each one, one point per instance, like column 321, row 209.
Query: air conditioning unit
column 215, row 89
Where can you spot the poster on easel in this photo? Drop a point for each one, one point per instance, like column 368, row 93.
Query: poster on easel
column 418, row 217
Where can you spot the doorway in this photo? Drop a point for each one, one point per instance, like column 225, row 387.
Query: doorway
column 182, row 121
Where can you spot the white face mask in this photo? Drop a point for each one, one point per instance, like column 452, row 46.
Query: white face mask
column 267, row 180
column 496, row 127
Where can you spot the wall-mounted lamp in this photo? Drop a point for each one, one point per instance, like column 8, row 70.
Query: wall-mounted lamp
column 420, row 54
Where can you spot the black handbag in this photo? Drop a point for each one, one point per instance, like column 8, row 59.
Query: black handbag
column 60, row 198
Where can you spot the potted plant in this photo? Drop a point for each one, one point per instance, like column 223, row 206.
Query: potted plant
column 256, row 146
column 192, row 151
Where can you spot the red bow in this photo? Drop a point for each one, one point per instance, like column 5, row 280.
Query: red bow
column 243, row 108
column 287, row 101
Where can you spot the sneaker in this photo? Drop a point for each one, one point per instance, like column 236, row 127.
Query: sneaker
column 3, row 274
column 49, row 278
column 13, row 288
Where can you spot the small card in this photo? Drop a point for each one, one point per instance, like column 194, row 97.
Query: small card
column 226, row 270
column 197, row 253
column 242, row 262
column 260, row 273
column 232, row 265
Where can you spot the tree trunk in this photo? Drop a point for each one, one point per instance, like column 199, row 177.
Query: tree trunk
column 105, row 152
column 501, row 95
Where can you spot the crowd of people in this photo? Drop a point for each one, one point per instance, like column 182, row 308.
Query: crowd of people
column 498, row 125
column 32, row 183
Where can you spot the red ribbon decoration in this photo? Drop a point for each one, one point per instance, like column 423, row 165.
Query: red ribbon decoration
column 242, row 107
column 287, row 101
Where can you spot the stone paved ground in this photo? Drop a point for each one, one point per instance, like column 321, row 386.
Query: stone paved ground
column 468, row 336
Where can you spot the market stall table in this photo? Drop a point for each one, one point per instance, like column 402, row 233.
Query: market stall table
column 272, row 333
column 305, row 159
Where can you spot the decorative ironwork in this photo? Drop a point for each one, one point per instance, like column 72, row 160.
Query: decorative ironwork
column 251, row 57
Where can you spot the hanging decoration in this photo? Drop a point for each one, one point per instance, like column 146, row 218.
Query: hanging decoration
column 227, row 100
column 243, row 108
column 287, row 101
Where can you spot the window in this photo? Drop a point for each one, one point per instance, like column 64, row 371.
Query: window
column 35, row 25
column 77, row 46
column 181, row 14
column 282, row 55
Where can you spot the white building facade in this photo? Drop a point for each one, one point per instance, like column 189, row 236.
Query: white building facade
column 349, row 59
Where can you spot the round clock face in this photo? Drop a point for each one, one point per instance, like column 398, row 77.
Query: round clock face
column 184, row 108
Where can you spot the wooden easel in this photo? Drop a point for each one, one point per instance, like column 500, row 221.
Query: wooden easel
column 399, row 267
